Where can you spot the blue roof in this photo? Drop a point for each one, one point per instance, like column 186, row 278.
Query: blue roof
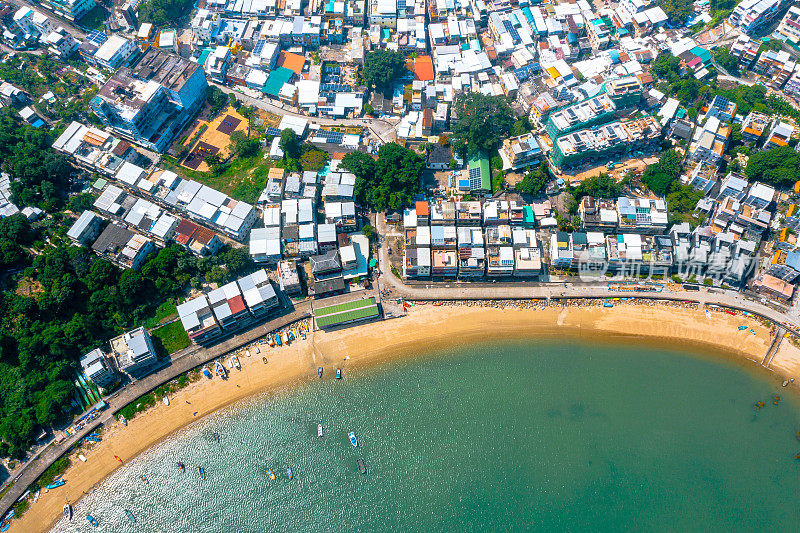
column 793, row 260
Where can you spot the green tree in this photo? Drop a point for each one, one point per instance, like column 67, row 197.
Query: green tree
column 382, row 67
column 678, row 11
column 521, row 126
column 601, row 186
column 535, row 180
column 314, row 160
column 779, row 167
column 482, row 121
column 289, row 143
column 726, row 60
column 162, row 12
column 659, row 176
column 391, row 182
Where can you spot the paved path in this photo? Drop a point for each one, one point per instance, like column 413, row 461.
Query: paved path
column 383, row 129
column 177, row 366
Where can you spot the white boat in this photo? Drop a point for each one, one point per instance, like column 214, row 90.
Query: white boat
column 235, row 361
column 319, row 429
column 166, row 400
column 36, row 496
column 82, row 457
column 67, row 511
column 353, row 439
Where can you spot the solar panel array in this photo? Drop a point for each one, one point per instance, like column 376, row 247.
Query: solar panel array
column 272, row 132
column 259, row 47
column 331, row 137
column 720, row 102
column 475, row 178
column 334, row 88
column 511, row 30
column 97, row 37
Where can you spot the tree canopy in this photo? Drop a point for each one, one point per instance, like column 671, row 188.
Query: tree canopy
column 726, row 60
column 161, row 12
column 382, row 67
column 601, row 186
column 290, row 143
column 659, row 176
column 779, row 167
column 482, row 121
column 677, row 10
column 534, row 181
column 391, row 182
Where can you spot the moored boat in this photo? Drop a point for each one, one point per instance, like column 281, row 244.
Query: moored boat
column 130, row 516
column 361, row 467
column 278, row 340
column 264, row 359
column 236, row 363
column 92, row 520
column 353, row 439
column 289, row 473
column 55, row 484
column 144, row 479
column 181, row 467
column 285, row 338
column 67, row 511
column 220, row 368
column 319, row 429
column 338, row 373
column 271, row 474
column 202, row 472
column 206, row 373
column 319, row 371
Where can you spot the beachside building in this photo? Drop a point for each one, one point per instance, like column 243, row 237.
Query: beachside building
column 133, row 351
column 199, row 322
column 97, row 368
column 327, row 316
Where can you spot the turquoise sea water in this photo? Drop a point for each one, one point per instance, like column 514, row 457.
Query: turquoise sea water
column 502, row 437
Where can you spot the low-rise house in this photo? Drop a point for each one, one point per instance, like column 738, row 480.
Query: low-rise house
column 133, row 351
column 123, row 247
column 289, row 279
column 199, row 322
column 84, row 231
column 97, row 368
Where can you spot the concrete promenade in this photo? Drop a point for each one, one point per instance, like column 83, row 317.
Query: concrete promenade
column 36, row 467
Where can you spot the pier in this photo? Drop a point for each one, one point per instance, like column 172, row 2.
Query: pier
column 774, row 346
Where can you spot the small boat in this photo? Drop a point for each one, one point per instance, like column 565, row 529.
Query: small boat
column 67, row 511
column 264, row 359
column 181, row 467
column 166, row 400
column 202, row 472
column 338, row 373
column 319, row 429
column 290, row 333
column 258, row 350
column 92, row 520
column 221, row 372
column 206, row 373
column 608, row 304
column 36, row 496
column 271, row 474
column 319, row 371
column 235, row 361
column 271, row 342
column 278, row 339
column 361, row 467
column 353, row 439
column 130, row 516
column 285, row 338
column 56, row 484
column 289, row 473
column 742, row 328
column 144, row 479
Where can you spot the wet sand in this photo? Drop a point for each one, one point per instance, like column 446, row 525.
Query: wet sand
column 425, row 330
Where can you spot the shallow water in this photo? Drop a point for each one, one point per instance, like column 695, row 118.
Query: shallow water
column 518, row 436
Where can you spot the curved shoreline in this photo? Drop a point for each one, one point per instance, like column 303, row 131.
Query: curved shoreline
column 425, row 330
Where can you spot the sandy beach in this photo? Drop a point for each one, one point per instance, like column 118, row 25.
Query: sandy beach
column 425, row 329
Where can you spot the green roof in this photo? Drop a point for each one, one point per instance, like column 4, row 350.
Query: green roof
column 486, row 174
column 345, row 312
column 277, row 78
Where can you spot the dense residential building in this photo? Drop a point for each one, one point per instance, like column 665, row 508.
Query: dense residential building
column 150, row 102
column 751, row 15
column 789, row 28
column 73, row 10
column 85, row 230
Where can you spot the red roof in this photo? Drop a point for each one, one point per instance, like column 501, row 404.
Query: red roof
column 423, row 209
column 423, row 68
column 236, row 304
column 185, row 228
